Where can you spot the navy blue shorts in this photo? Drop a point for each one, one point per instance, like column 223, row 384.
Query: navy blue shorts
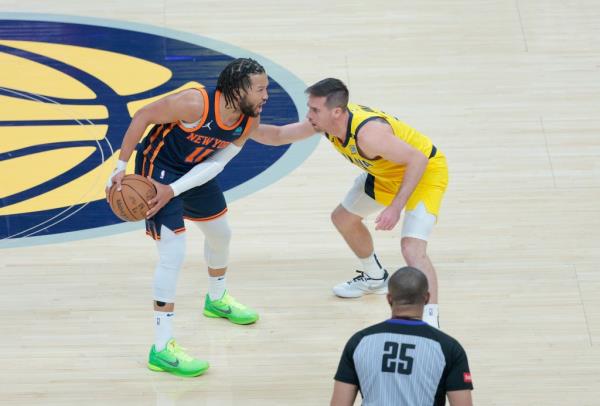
column 202, row 203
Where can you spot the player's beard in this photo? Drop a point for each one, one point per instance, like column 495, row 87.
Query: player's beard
column 248, row 109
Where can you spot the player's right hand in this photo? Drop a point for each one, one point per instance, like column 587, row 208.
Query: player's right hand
column 388, row 218
column 115, row 177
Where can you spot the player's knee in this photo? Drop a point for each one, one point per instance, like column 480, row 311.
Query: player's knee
column 413, row 250
column 217, row 234
column 336, row 216
column 341, row 217
column 171, row 251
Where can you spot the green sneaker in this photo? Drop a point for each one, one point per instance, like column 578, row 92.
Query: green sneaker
column 229, row 308
column 175, row 361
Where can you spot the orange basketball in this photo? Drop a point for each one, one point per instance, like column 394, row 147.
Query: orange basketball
column 131, row 203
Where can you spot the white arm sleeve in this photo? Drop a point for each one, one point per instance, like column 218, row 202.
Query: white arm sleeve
column 206, row 170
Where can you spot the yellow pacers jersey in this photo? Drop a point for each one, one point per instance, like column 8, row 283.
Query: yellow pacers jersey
column 386, row 176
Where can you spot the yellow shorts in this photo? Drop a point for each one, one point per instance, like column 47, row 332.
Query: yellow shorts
column 430, row 190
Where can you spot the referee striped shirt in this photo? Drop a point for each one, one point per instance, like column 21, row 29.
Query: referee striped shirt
column 404, row 362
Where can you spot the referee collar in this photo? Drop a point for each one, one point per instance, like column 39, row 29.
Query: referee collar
column 407, row 321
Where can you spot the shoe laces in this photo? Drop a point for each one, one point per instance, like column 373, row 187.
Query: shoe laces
column 362, row 277
column 230, row 300
column 178, row 351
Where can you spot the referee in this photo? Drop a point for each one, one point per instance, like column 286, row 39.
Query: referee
column 403, row 361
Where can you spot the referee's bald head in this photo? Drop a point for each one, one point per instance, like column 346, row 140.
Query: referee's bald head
column 408, row 287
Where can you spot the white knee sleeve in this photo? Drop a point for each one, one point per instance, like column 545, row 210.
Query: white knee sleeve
column 171, row 250
column 217, row 235
column 418, row 223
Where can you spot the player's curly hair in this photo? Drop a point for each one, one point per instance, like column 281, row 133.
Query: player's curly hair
column 235, row 78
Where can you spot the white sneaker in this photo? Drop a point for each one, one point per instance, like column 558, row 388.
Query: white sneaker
column 363, row 284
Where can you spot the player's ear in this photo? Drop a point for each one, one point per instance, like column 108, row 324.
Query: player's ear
column 427, row 296
column 389, row 299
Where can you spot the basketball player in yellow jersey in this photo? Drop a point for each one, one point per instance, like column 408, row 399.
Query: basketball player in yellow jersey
column 403, row 170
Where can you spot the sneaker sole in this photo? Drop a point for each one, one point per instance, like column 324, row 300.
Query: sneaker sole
column 354, row 295
column 211, row 314
column 190, row 375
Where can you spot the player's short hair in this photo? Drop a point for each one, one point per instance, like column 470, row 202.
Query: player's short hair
column 408, row 286
column 333, row 89
column 235, row 78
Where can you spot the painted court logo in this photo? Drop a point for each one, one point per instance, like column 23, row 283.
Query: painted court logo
column 67, row 94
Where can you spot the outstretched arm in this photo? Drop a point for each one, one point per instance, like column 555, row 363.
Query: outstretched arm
column 281, row 135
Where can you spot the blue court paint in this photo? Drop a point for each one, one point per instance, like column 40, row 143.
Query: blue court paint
column 189, row 58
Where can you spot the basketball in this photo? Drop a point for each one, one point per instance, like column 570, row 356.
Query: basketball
column 131, row 203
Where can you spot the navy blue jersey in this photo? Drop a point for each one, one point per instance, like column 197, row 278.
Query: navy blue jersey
column 177, row 148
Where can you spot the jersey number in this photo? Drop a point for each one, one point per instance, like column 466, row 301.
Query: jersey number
column 393, row 351
column 198, row 154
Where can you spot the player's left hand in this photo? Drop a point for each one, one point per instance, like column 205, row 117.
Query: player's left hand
column 388, row 218
column 164, row 193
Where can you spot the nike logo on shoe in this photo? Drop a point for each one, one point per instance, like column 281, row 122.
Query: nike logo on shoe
column 222, row 310
column 173, row 364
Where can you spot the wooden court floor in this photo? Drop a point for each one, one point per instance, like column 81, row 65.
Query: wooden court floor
column 509, row 90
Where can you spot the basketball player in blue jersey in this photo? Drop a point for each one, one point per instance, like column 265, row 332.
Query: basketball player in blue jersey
column 195, row 133
column 402, row 170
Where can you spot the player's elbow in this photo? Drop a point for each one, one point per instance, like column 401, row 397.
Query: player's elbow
column 142, row 117
column 418, row 161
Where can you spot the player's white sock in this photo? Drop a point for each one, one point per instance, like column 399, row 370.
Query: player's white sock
column 431, row 315
column 372, row 267
column 163, row 329
column 216, row 287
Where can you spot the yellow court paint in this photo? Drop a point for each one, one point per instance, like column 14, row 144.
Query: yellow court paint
column 125, row 74
column 22, row 74
column 12, row 109
column 14, row 138
column 31, row 170
column 88, row 187
column 138, row 104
